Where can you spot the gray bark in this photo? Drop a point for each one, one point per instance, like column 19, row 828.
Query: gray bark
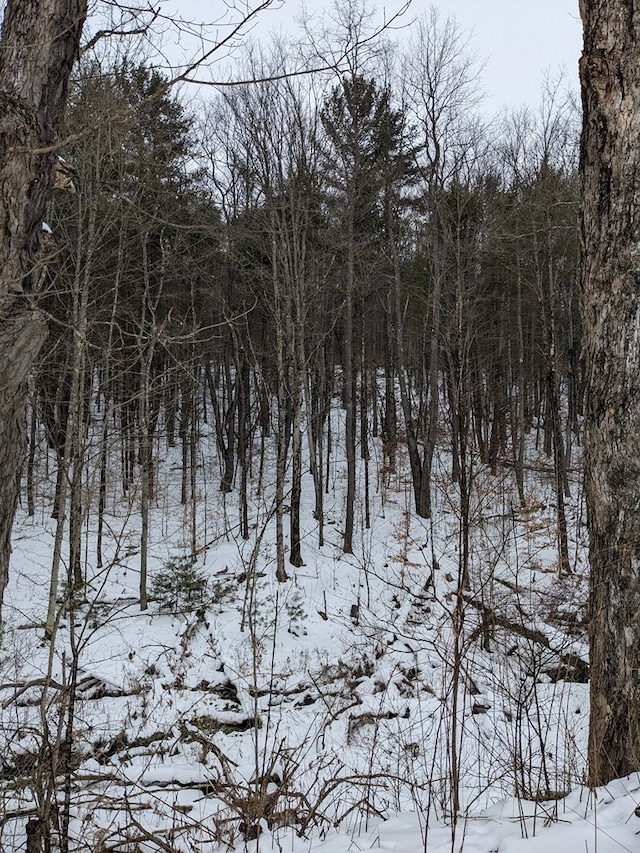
column 21, row 337
column 610, row 309
column 38, row 45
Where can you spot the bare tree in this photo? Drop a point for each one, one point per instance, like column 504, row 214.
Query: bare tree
column 610, row 306
column 440, row 76
column 38, row 45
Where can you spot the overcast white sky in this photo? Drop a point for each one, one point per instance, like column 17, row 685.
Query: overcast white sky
column 520, row 40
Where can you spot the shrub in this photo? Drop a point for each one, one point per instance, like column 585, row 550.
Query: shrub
column 180, row 586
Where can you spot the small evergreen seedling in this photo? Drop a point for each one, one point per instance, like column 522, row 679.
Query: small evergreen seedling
column 180, row 586
column 296, row 613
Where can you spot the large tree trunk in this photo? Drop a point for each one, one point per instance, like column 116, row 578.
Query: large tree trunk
column 610, row 306
column 21, row 337
column 38, row 44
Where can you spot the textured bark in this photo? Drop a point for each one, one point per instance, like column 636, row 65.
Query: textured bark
column 20, row 340
column 610, row 307
column 38, row 44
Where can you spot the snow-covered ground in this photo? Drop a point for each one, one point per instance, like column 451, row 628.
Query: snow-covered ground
column 370, row 702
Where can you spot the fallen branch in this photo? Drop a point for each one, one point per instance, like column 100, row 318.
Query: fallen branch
column 571, row 661
column 22, row 688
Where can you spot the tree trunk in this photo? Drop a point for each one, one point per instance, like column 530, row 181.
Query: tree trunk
column 522, row 427
column 31, row 459
column 610, row 309
column 421, row 488
column 21, row 337
column 38, row 44
column 349, row 393
column 434, row 394
column 317, row 398
column 244, row 437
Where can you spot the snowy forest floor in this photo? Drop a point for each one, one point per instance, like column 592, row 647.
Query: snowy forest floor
column 373, row 701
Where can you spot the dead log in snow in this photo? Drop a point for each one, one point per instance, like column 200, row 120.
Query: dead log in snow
column 573, row 666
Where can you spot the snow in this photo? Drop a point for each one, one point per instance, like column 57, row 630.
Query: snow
column 326, row 711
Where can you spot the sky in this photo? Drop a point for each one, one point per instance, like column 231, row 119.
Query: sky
column 520, row 41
